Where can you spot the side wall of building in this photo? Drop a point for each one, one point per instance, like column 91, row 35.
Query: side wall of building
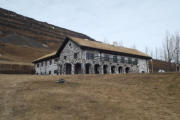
column 47, row 67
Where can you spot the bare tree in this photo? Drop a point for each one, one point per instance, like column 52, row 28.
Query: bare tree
column 168, row 47
column 156, row 53
column 120, row 43
column 177, row 50
column 146, row 50
column 134, row 46
column 105, row 41
column 152, row 55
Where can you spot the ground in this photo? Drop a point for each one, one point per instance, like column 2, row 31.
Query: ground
column 90, row 97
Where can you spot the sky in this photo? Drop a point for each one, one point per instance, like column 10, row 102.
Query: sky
column 139, row 23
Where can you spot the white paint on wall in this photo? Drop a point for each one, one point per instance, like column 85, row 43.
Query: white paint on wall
column 143, row 66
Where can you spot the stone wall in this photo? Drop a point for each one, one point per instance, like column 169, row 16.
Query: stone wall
column 67, row 62
column 73, row 60
column 48, row 67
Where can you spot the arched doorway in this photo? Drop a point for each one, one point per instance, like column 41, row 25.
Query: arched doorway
column 127, row 69
column 113, row 69
column 105, row 69
column 120, row 69
column 88, row 68
column 77, row 68
column 68, row 67
column 97, row 69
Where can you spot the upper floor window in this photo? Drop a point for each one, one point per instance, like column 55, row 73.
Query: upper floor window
column 106, row 57
column 89, row 55
column 45, row 63
column 129, row 60
column 69, row 44
column 50, row 62
column 56, row 59
column 135, row 61
column 42, row 64
column 65, row 57
column 122, row 59
column 75, row 55
column 114, row 58
column 38, row 65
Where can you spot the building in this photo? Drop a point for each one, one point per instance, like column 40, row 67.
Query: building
column 82, row 56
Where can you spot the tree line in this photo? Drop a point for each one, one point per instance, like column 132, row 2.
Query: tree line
column 169, row 51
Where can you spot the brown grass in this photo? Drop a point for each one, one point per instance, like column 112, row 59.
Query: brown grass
column 90, row 97
column 15, row 53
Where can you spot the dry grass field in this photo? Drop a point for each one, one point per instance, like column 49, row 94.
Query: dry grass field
column 90, row 97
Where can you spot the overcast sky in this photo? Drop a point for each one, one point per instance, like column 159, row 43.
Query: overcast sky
column 135, row 22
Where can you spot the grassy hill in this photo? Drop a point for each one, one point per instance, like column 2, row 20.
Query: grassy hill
column 33, row 36
column 90, row 97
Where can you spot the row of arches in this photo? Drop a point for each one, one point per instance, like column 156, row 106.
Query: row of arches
column 88, row 69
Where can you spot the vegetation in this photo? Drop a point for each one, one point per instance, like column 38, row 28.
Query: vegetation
column 90, row 97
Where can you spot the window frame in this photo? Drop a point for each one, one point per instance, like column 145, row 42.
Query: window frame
column 135, row 62
column 50, row 62
column 106, row 57
column 115, row 58
column 89, row 56
column 129, row 60
column 76, row 55
column 122, row 59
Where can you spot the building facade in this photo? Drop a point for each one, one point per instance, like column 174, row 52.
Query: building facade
column 82, row 56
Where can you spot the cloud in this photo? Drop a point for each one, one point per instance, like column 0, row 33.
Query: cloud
column 139, row 22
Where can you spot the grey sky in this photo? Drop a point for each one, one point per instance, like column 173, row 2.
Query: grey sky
column 135, row 22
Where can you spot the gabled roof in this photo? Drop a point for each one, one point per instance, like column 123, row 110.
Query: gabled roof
column 107, row 47
column 85, row 43
column 48, row 56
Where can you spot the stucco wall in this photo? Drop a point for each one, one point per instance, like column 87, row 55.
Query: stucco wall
column 143, row 66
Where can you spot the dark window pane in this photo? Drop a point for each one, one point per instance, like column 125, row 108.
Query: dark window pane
column 114, row 58
column 55, row 72
column 89, row 56
column 75, row 55
column 135, row 62
column 106, row 57
column 129, row 60
column 122, row 60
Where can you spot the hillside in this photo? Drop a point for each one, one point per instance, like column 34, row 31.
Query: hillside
column 90, row 97
column 19, row 30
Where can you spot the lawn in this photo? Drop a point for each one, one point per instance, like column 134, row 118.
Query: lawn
column 90, row 97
